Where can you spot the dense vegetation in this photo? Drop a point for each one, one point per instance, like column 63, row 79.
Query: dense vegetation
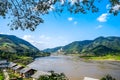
column 27, row 14
column 11, row 43
column 1, row 75
column 100, row 46
column 16, row 49
column 108, row 77
column 54, row 76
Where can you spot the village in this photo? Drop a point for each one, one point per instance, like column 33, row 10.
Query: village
column 14, row 71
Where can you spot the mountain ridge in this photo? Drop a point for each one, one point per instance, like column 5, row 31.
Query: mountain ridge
column 100, row 45
column 15, row 44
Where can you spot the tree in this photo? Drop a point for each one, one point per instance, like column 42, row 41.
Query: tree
column 26, row 14
column 54, row 76
column 108, row 77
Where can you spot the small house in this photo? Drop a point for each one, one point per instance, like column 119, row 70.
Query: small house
column 11, row 65
column 4, row 64
column 37, row 75
column 17, row 68
column 27, row 72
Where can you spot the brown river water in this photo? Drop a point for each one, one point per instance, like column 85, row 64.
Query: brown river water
column 77, row 69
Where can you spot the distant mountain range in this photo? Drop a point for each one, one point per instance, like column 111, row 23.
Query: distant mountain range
column 13, row 44
column 98, row 46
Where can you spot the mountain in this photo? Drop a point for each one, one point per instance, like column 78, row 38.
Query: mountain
column 13, row 44
column 76, row 46
column 98, row 46
column 52, row 50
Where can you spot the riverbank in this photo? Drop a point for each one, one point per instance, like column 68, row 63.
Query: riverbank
column 96, row 58
column 102, row 58
column 76, row 68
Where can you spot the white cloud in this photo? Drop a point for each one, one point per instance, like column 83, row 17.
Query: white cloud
column 99, row 27
column 40, row 42
column 44, row 37
column 75, row 22
column 43, row 41
column 5, row 33
column 70, row 19
column 1, row 33
column 28, row 38
column 116, row 7
column 103, row 17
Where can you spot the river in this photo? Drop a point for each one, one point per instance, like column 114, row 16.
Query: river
column 77, row 69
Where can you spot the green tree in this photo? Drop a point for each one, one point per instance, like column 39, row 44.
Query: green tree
column 54, row 76
column 108, row 77
column 26, row 14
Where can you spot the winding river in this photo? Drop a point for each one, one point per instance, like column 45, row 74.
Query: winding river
column 77, row 69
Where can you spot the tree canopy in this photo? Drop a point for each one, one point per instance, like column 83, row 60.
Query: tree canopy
column 26, row 14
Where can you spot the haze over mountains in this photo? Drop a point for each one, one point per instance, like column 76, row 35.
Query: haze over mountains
column 98, row 46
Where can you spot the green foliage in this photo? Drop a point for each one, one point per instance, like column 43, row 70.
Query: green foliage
column 108, row 77
column 26, row 14
column 13, row 44
column 51, row 50
column 53, row 76
column 18, row 50
column 23, row 60
column 1, row 75
column 100, row 46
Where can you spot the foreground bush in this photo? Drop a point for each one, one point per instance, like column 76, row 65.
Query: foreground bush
column 54, row 76
column 108, row 77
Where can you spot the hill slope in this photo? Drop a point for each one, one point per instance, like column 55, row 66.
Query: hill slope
column 13, row 44
column 98, row 46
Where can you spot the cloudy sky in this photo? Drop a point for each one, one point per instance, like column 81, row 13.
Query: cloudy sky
column 59, row 30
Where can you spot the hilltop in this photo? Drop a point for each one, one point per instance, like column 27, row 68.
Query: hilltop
column 98, row 46
column 16, row 49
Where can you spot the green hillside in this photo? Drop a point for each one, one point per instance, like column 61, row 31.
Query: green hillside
column 98, row 46
column 12, row 48
column 52, row 50
column 13, row 44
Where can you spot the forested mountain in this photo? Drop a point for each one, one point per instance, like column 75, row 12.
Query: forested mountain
column 98, row 46
column 13, row 44
column 52, row 50
column 12, row 47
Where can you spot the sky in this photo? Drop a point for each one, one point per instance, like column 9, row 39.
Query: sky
column 59, row 30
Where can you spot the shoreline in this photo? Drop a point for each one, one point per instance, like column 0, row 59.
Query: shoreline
column 86, row 58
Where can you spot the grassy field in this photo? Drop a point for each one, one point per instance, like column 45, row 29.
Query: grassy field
column 1, row 75
column 23, row 60
column 106, row 57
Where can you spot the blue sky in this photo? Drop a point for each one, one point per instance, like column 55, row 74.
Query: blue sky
column 59, row 30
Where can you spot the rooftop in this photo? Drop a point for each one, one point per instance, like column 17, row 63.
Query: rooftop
column 3, row 61
column 24, row 70
column 12, row 64
column 17, row 67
